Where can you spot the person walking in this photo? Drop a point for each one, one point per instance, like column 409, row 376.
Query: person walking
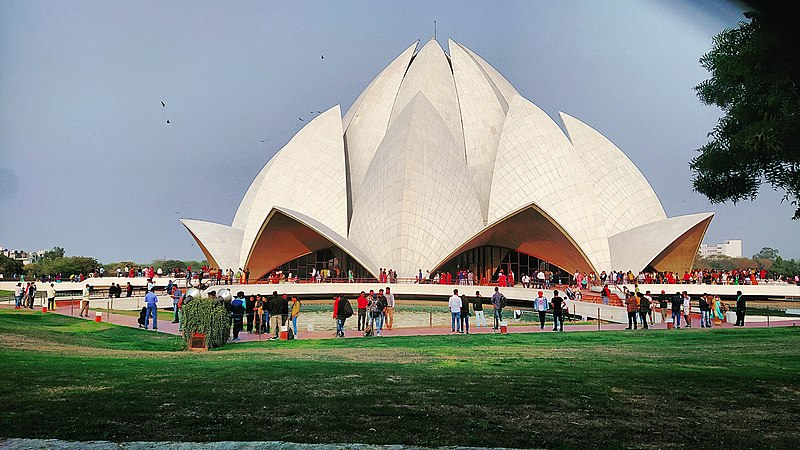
column 344, row 310
column 361, row 304
column 631, row 307
column 176, row 300
column 152, row 310
column 558, row 312
column 454, row 303
column 295, row 312
column 540, row 305
column 464, row 316
column 499, row 302
column 741, row 309
column 477, row 307
column 389, row 309
column 85, row 302
column 644, row 308
column 51, row 297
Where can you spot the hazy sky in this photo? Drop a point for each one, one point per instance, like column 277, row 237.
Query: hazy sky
column 88, row 162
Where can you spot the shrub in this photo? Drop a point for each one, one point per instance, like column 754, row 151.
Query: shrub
column 209, row 317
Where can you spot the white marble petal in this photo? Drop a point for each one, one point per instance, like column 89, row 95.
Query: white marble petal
column 636, row 248
column 307, row 175
column 504, row 90
column 366, row 121
column 430, row 74
column 536, row 163
column 482, row 117
column 220, row 243
column 626, row 198
column 417, row 201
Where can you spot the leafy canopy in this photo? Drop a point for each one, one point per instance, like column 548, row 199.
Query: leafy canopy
column 755, row 79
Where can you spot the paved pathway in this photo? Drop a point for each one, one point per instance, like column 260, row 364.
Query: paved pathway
column 165, row 326
column 351, row 332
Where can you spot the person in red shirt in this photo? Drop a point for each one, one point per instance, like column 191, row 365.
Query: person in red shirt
column 362, row 311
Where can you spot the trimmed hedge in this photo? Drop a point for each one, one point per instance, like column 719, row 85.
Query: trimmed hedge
column 209, row 317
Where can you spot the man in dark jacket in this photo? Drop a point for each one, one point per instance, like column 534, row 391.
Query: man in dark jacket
column 250, row 308
column 741, row 307
column 677, row 305
column 344, row 310
column 274, row 307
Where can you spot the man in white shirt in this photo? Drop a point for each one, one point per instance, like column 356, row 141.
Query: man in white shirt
column 455, row 311
column 540, row 304
column 51, row 297
column 18, row 296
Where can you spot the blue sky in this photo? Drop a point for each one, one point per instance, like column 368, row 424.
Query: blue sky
column 87, row 161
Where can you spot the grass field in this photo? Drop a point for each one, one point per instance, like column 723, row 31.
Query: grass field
column 72, row 379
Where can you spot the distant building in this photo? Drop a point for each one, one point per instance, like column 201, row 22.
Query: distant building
column 731, row 248
column 21, row 255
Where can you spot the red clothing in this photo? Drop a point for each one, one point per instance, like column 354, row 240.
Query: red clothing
column 335, row 306
column 362, row 302
column 501, row 281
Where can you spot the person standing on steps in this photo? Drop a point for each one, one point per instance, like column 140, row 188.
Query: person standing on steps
column 152, row 310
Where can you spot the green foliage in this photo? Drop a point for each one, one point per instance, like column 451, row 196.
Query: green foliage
column 208, row 317
column 55, row 253
column 767, row 253
column 65, row 266
column 112, row 267
column 755, row 77
column 9, row 266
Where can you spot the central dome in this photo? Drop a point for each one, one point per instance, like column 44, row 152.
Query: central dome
column 438, row 155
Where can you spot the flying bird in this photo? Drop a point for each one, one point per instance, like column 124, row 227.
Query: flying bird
column 163, row 104
column 168, row 121
column 319, row 112
column 322, row 57
column 301, row 119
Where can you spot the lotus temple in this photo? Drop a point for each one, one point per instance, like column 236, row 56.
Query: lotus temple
column 440, row 164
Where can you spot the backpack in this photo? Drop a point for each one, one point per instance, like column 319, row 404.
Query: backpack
column 502, row 301
column 368, row 331
column 347, row 310
column 382, row 304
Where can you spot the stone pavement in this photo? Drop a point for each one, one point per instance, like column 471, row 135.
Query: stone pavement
column 166, row 326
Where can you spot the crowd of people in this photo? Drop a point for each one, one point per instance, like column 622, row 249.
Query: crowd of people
column 678, row 307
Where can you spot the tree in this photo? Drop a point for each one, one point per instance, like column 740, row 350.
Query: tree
column 55, row 253
column 9, row 266
column 766, row 253
column 755, row 79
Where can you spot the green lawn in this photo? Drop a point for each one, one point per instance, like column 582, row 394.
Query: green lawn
column 72, row 379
